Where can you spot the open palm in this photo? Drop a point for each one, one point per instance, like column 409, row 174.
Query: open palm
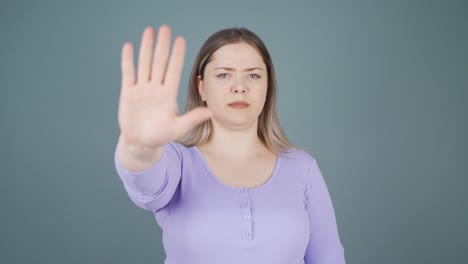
column 148, row 111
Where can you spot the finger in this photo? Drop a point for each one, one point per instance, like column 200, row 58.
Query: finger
column 161, row 53
column 174, row 69
column 128, row 68
column 189, row 120
column 145, row 55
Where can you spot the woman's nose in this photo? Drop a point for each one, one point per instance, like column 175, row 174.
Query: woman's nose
column 239, row 87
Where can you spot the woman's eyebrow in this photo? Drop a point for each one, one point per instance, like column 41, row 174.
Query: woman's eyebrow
column 232, row 69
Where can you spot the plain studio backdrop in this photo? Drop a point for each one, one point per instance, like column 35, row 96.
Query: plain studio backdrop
column 377, row 90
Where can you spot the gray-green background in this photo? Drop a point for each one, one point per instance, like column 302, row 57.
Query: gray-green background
column 377, row 90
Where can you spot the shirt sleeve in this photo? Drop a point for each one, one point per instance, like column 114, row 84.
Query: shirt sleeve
column 324, row 242
column 153, row 188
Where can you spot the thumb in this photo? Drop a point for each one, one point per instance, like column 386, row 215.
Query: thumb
column 189, row 120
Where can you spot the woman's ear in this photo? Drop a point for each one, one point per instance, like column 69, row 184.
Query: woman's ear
column 201, row 88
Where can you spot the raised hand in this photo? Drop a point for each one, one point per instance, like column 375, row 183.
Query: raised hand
column 148, row 111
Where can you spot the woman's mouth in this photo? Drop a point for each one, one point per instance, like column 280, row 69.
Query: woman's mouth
column 239, row 104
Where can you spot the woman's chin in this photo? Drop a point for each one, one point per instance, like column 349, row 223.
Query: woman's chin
column 237, row 123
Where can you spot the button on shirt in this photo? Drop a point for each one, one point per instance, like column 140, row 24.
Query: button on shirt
column 288, row 220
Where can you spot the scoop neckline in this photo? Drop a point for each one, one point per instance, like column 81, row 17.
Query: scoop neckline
column 240, row 189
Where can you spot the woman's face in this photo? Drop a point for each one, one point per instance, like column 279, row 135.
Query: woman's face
column 235, row 85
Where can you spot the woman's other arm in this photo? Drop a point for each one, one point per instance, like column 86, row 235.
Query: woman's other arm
column 324, row 242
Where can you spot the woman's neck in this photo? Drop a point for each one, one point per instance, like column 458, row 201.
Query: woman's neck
column 234, row 143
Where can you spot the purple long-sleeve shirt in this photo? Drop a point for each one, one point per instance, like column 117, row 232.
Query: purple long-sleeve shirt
column 289, row 219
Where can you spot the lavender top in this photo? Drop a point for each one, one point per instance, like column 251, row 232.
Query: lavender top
column 290, row 219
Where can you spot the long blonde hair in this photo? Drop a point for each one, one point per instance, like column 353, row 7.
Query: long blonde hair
column 269, row 129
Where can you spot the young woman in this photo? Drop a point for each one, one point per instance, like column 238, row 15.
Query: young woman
column 223, row 181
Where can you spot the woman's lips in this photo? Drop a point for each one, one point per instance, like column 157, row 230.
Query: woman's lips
column 239, row 104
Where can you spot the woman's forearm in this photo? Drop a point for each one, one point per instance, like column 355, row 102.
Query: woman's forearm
column 137, row 158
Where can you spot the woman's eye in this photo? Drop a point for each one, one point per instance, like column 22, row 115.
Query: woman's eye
column 254, row 76
column 223, row 75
